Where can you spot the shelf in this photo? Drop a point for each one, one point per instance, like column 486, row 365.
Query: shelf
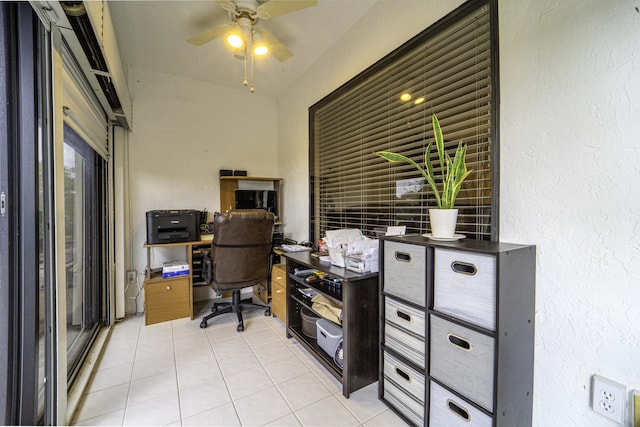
column 331, row 291
column 358, row 298
column 248, row 178
column 312, row 345
column 228, row 185
column 157, row 278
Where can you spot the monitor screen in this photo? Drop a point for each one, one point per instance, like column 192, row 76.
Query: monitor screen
column 257, row 199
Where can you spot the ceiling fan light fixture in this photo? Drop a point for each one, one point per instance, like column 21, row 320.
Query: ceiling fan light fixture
column 260, row 50
column 259, row 46
column 235, row 40
column 244, row 38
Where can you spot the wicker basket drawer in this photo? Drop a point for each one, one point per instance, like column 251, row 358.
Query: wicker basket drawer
column 407, row 406
column 405, row 271
column 405, row 317
column 410, row 347
column 463, row 359
column 465, row 286
column 404, row 388
column 408, row 379
column 448, row 410
column 405, row 331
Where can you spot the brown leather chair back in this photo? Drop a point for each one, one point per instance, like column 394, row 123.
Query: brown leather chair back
column 241, row 248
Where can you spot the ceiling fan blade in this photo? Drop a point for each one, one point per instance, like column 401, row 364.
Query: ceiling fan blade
column 210, row 34
column 276, row 48
column 274, row 8
column 227, row 5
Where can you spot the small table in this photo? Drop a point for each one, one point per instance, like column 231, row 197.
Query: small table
column 169, row 298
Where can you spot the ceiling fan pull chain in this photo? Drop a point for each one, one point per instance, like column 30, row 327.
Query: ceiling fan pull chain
column 245, row 67
column 252, row 88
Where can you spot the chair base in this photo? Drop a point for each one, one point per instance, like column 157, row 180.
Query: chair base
column 236, row 306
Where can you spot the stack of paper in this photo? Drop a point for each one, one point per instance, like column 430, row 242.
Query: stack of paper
column 174, row 269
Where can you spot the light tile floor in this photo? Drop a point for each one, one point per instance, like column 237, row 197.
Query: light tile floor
column 174, row 373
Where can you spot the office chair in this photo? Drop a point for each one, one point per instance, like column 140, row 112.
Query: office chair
column 240, row 257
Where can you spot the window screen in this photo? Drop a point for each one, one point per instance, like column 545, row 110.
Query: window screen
column 450, row 70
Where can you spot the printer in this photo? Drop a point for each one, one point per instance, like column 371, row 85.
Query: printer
column 171, row 226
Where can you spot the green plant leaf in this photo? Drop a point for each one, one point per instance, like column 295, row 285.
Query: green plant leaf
column 430, row 175
column 437, row 134
column 452, row 172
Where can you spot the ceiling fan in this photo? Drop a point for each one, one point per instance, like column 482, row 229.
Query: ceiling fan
column 243, row 35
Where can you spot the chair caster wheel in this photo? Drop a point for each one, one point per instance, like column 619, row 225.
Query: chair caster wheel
column 267, row 312
column 203, row 324
column 240, row 327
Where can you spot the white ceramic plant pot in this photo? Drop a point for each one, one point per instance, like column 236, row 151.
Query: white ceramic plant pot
column 443, row 222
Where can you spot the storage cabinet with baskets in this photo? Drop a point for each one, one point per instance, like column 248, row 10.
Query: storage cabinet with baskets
column 457, row 331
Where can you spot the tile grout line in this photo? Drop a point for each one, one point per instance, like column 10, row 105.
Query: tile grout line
column 175, row 369
column 135, row 353
column 223, row 376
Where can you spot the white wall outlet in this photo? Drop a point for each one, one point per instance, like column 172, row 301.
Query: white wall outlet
column 608, row 398
column 131, row 276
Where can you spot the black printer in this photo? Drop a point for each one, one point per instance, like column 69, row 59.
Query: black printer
column 171, row 226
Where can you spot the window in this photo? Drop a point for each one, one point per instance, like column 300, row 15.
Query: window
column 83, row 231
column 449, row 69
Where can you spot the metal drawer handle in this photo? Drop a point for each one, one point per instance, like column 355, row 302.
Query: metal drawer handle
column 403, row 316
column 459, row 342
column 459, row 411
column 168, row 288
column 403, row 256
column 403, row 374
column 464, row 268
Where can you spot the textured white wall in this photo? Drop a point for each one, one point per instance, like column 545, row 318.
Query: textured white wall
column 184, row 132
column 570, row 169
column 570, row 127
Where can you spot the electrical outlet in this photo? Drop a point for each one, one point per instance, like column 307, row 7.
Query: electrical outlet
column 608, row 398
column 131, row 276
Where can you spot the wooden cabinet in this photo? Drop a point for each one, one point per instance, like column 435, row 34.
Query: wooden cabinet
column 457, row 331
column 357, row 295
column 279, row 291
column 172, row 298
column 166, row 299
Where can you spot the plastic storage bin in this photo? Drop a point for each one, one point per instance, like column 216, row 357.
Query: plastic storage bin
column 309, row 327
column 329, row 336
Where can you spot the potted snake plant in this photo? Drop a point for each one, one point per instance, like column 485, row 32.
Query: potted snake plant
column 453, row 173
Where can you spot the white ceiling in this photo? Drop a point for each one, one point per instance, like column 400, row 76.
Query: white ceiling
column 153, row 34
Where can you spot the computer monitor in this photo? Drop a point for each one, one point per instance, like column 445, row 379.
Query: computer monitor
column 257, row 199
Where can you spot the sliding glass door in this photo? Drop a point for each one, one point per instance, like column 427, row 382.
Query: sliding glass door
column 54, row 221
column 20, row 226
column 84, row 233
